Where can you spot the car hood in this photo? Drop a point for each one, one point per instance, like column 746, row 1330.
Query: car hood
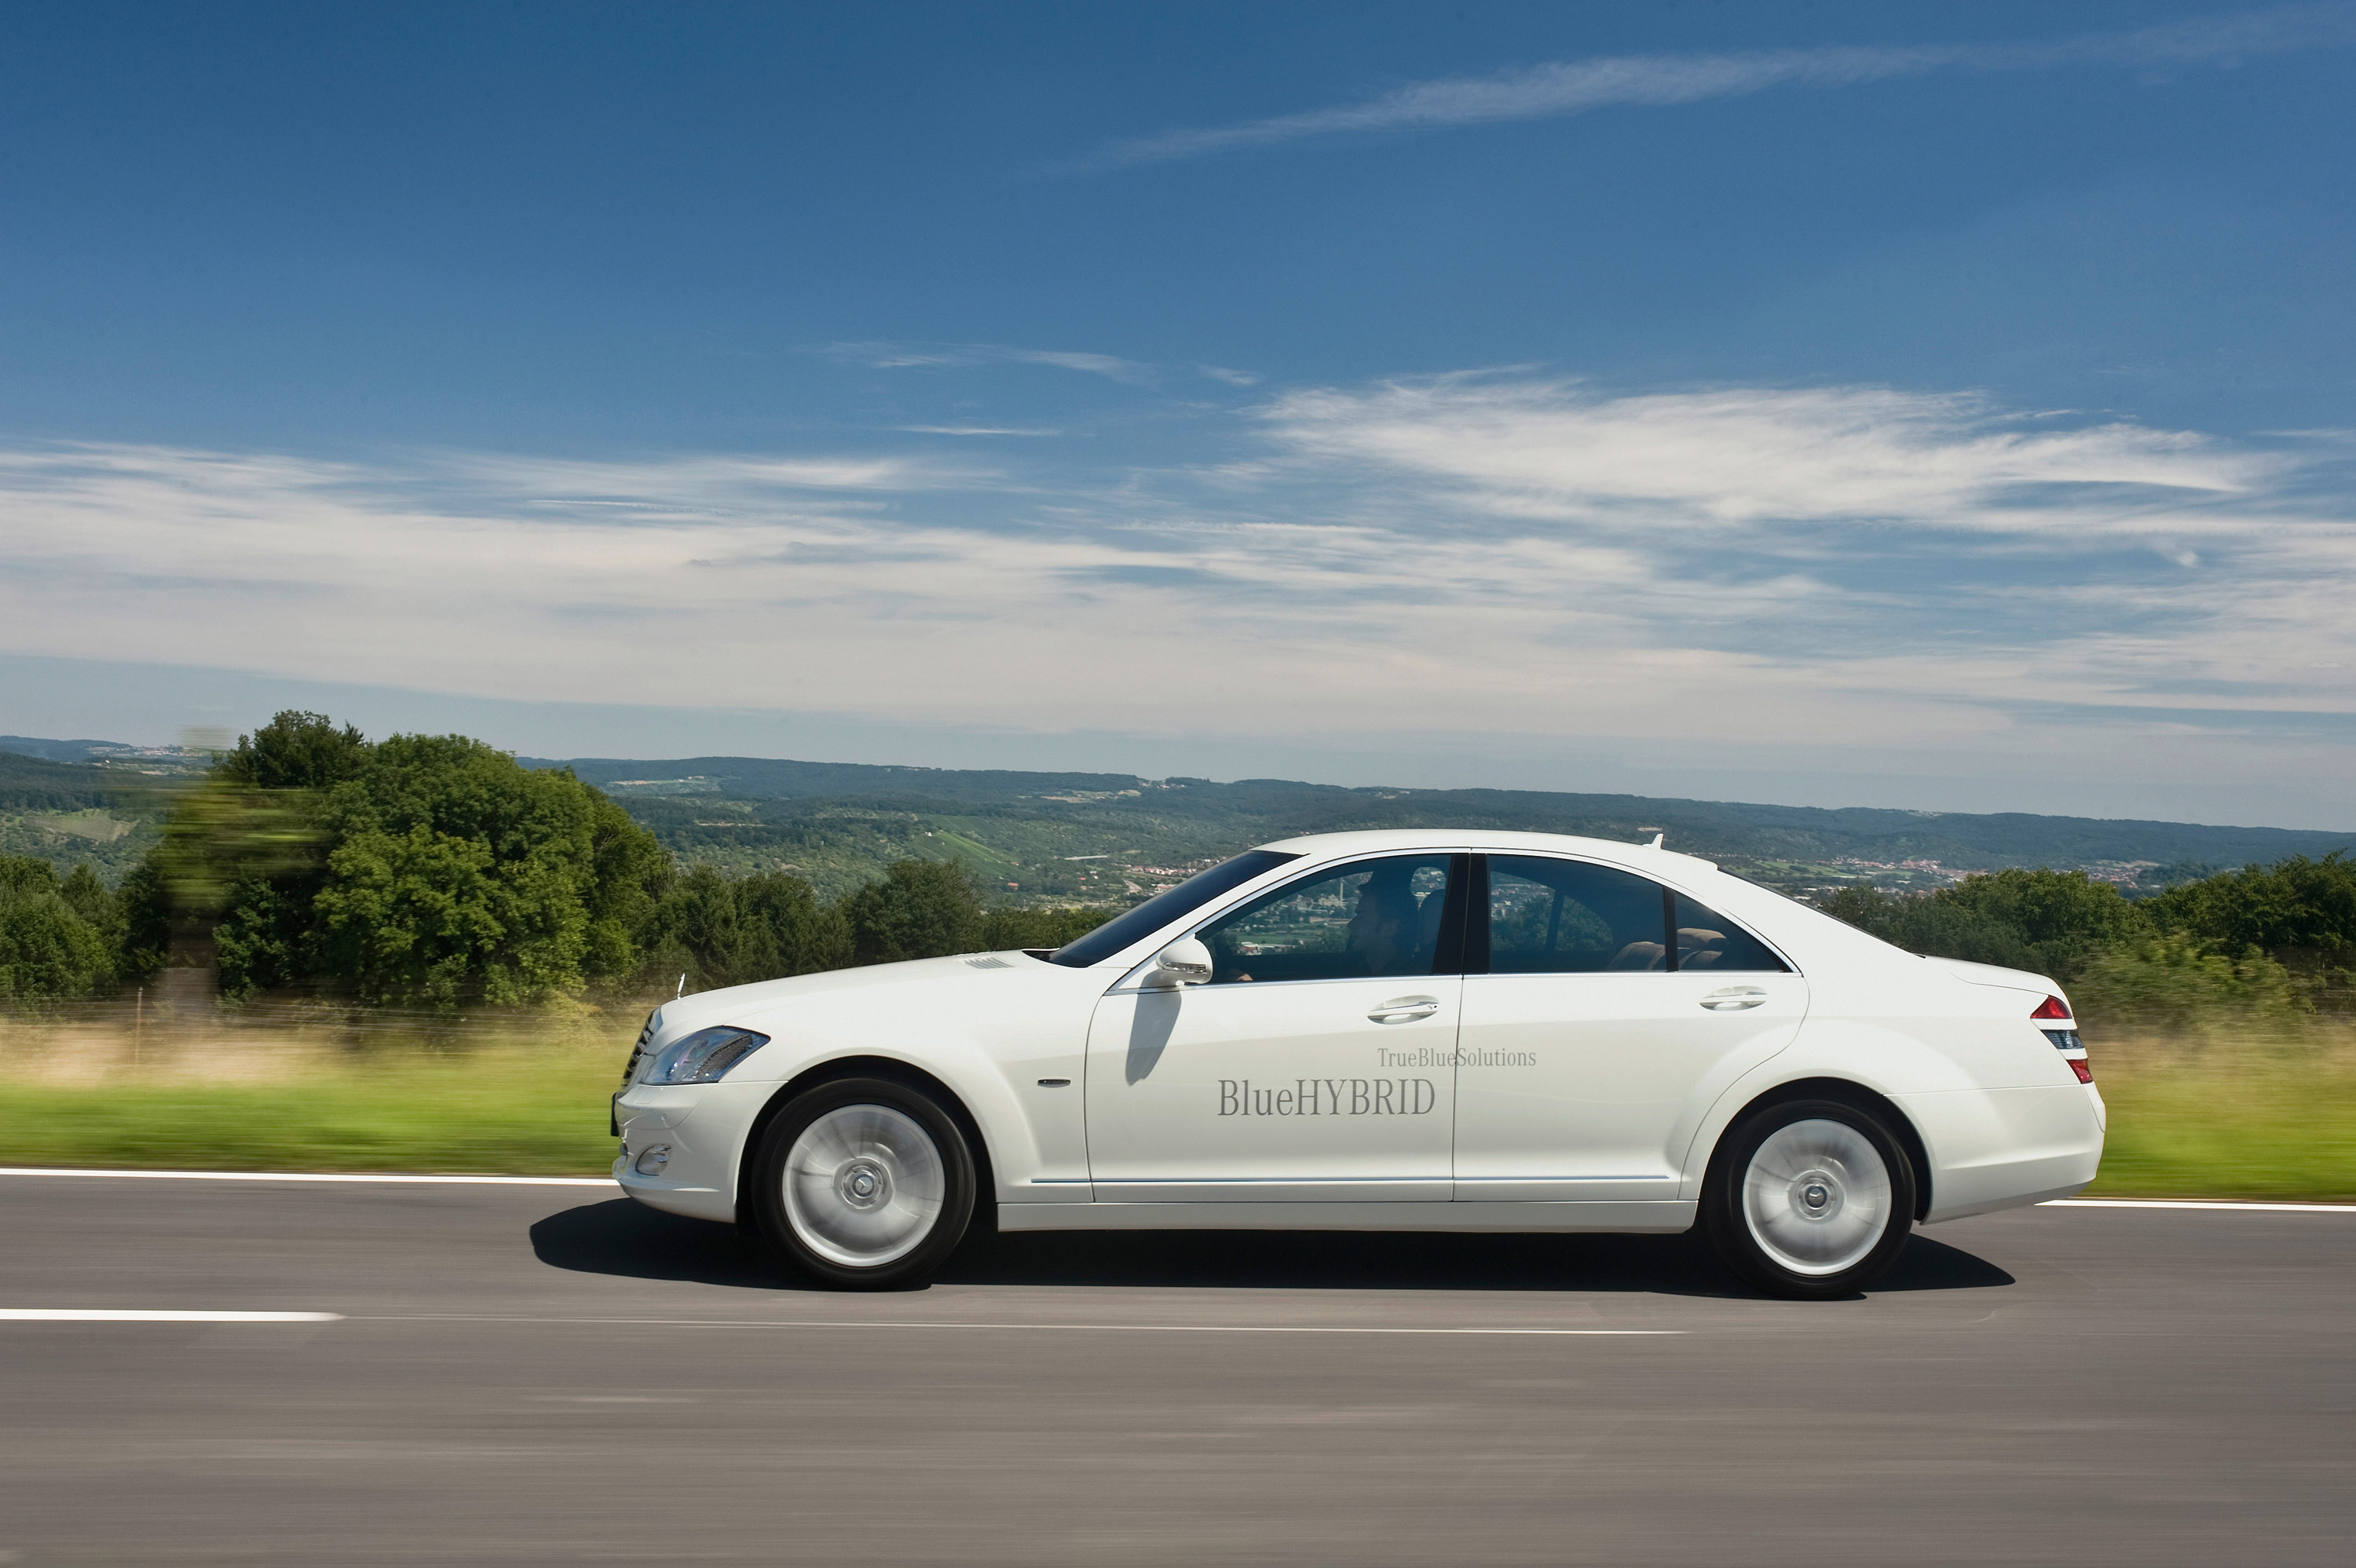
column 731, row 1003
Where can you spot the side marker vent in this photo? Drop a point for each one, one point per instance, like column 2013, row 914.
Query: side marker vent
column 988, row 964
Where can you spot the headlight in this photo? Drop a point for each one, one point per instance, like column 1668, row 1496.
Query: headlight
column 703, row 1057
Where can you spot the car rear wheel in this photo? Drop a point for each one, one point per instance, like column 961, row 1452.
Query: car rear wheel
column 863, row 1183
column 1810, row 1199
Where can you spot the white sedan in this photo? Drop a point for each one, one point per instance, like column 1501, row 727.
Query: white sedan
column 1406, row 1030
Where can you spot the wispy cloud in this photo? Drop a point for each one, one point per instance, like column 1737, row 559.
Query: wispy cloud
column 1903, row 580
column 912, row 356
column 1576, row 87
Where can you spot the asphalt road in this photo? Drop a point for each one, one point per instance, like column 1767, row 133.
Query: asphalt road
column 545, row 1374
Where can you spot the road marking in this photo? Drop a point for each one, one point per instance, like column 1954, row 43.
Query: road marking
column 2197, row 1204
column 119, row 1314
column 909, row 1323
column 316, row 1176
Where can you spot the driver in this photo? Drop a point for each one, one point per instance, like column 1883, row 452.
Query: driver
column 1382, row 931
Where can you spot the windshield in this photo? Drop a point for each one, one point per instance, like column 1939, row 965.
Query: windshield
column 1163, row 908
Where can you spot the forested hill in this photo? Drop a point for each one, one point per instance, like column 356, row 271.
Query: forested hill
column 1036, row 828
column 1107, row 837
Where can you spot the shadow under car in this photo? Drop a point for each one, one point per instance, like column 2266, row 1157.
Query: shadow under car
column 623, row 1237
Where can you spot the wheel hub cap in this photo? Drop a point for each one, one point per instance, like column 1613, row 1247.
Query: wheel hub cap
column 865, row 1184
column 1817, row 1195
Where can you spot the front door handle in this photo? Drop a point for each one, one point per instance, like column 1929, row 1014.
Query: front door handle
column 1405, row 1009
column 1734, row 999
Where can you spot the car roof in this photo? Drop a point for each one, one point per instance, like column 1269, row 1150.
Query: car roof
column 1381, row 841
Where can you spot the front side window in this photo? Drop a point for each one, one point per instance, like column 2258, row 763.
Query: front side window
column 1566, row 917
column 1367, row 918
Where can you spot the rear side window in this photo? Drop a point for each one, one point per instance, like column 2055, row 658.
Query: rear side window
column 1565, row 917
column 1710, row 941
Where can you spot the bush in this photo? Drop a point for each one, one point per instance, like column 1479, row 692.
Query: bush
column 2175, row 982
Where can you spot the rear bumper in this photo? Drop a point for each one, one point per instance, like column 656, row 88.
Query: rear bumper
column 2002, row 1149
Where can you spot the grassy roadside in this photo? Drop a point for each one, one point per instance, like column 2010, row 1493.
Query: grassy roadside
column 2187, row 1119
column 510, row 1098
column 2214, row 1119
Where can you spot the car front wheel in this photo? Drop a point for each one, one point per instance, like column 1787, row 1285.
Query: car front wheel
column 863, row 1183
column 1810, row 1199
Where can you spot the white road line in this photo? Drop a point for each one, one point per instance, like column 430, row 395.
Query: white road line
column 909, row 1323
column 316, row 1175
column 2197, row 1204
column 116, row 1314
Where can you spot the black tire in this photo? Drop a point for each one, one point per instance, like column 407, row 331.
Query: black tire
column 894, row 1231
column 1810, row 1218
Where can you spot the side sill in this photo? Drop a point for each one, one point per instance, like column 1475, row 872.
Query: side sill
column 1637, row 1218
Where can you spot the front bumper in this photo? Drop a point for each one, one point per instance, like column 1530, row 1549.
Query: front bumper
column 705, row 1127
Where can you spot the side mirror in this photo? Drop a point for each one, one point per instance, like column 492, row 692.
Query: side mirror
column 1185, row 962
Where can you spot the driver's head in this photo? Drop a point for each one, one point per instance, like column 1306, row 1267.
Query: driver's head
column 1383, row 929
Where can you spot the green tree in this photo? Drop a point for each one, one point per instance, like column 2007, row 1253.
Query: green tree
column 232, row 884
column 921, row 909
column 722, row 931
column 2294, row 906
column 2050, row 922
column 295, row 751
column 51, row 947
column 458, row 876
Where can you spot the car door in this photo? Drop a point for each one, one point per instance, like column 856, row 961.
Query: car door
column 1595, row 1039
column 1317, row 1064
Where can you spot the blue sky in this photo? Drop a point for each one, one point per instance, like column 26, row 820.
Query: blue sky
column 1942, row 407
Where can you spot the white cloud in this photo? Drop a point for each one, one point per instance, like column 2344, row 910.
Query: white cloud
column 1576, row 86
column 1741, row 456
column 1898, row 578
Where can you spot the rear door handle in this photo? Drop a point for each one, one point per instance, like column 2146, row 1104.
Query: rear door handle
column 1405, row 1009
column 1734, row 999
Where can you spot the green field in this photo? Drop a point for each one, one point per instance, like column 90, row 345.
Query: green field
column 2186, row 1120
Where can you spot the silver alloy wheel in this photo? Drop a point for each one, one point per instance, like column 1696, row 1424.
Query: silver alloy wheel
column 864, row 1185
column 1816, row 1197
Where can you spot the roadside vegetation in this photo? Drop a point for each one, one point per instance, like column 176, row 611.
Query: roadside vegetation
column 417, row 953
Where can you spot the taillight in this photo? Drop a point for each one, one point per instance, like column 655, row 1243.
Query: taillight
column 2052, row 1008
column 2078, row 1065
